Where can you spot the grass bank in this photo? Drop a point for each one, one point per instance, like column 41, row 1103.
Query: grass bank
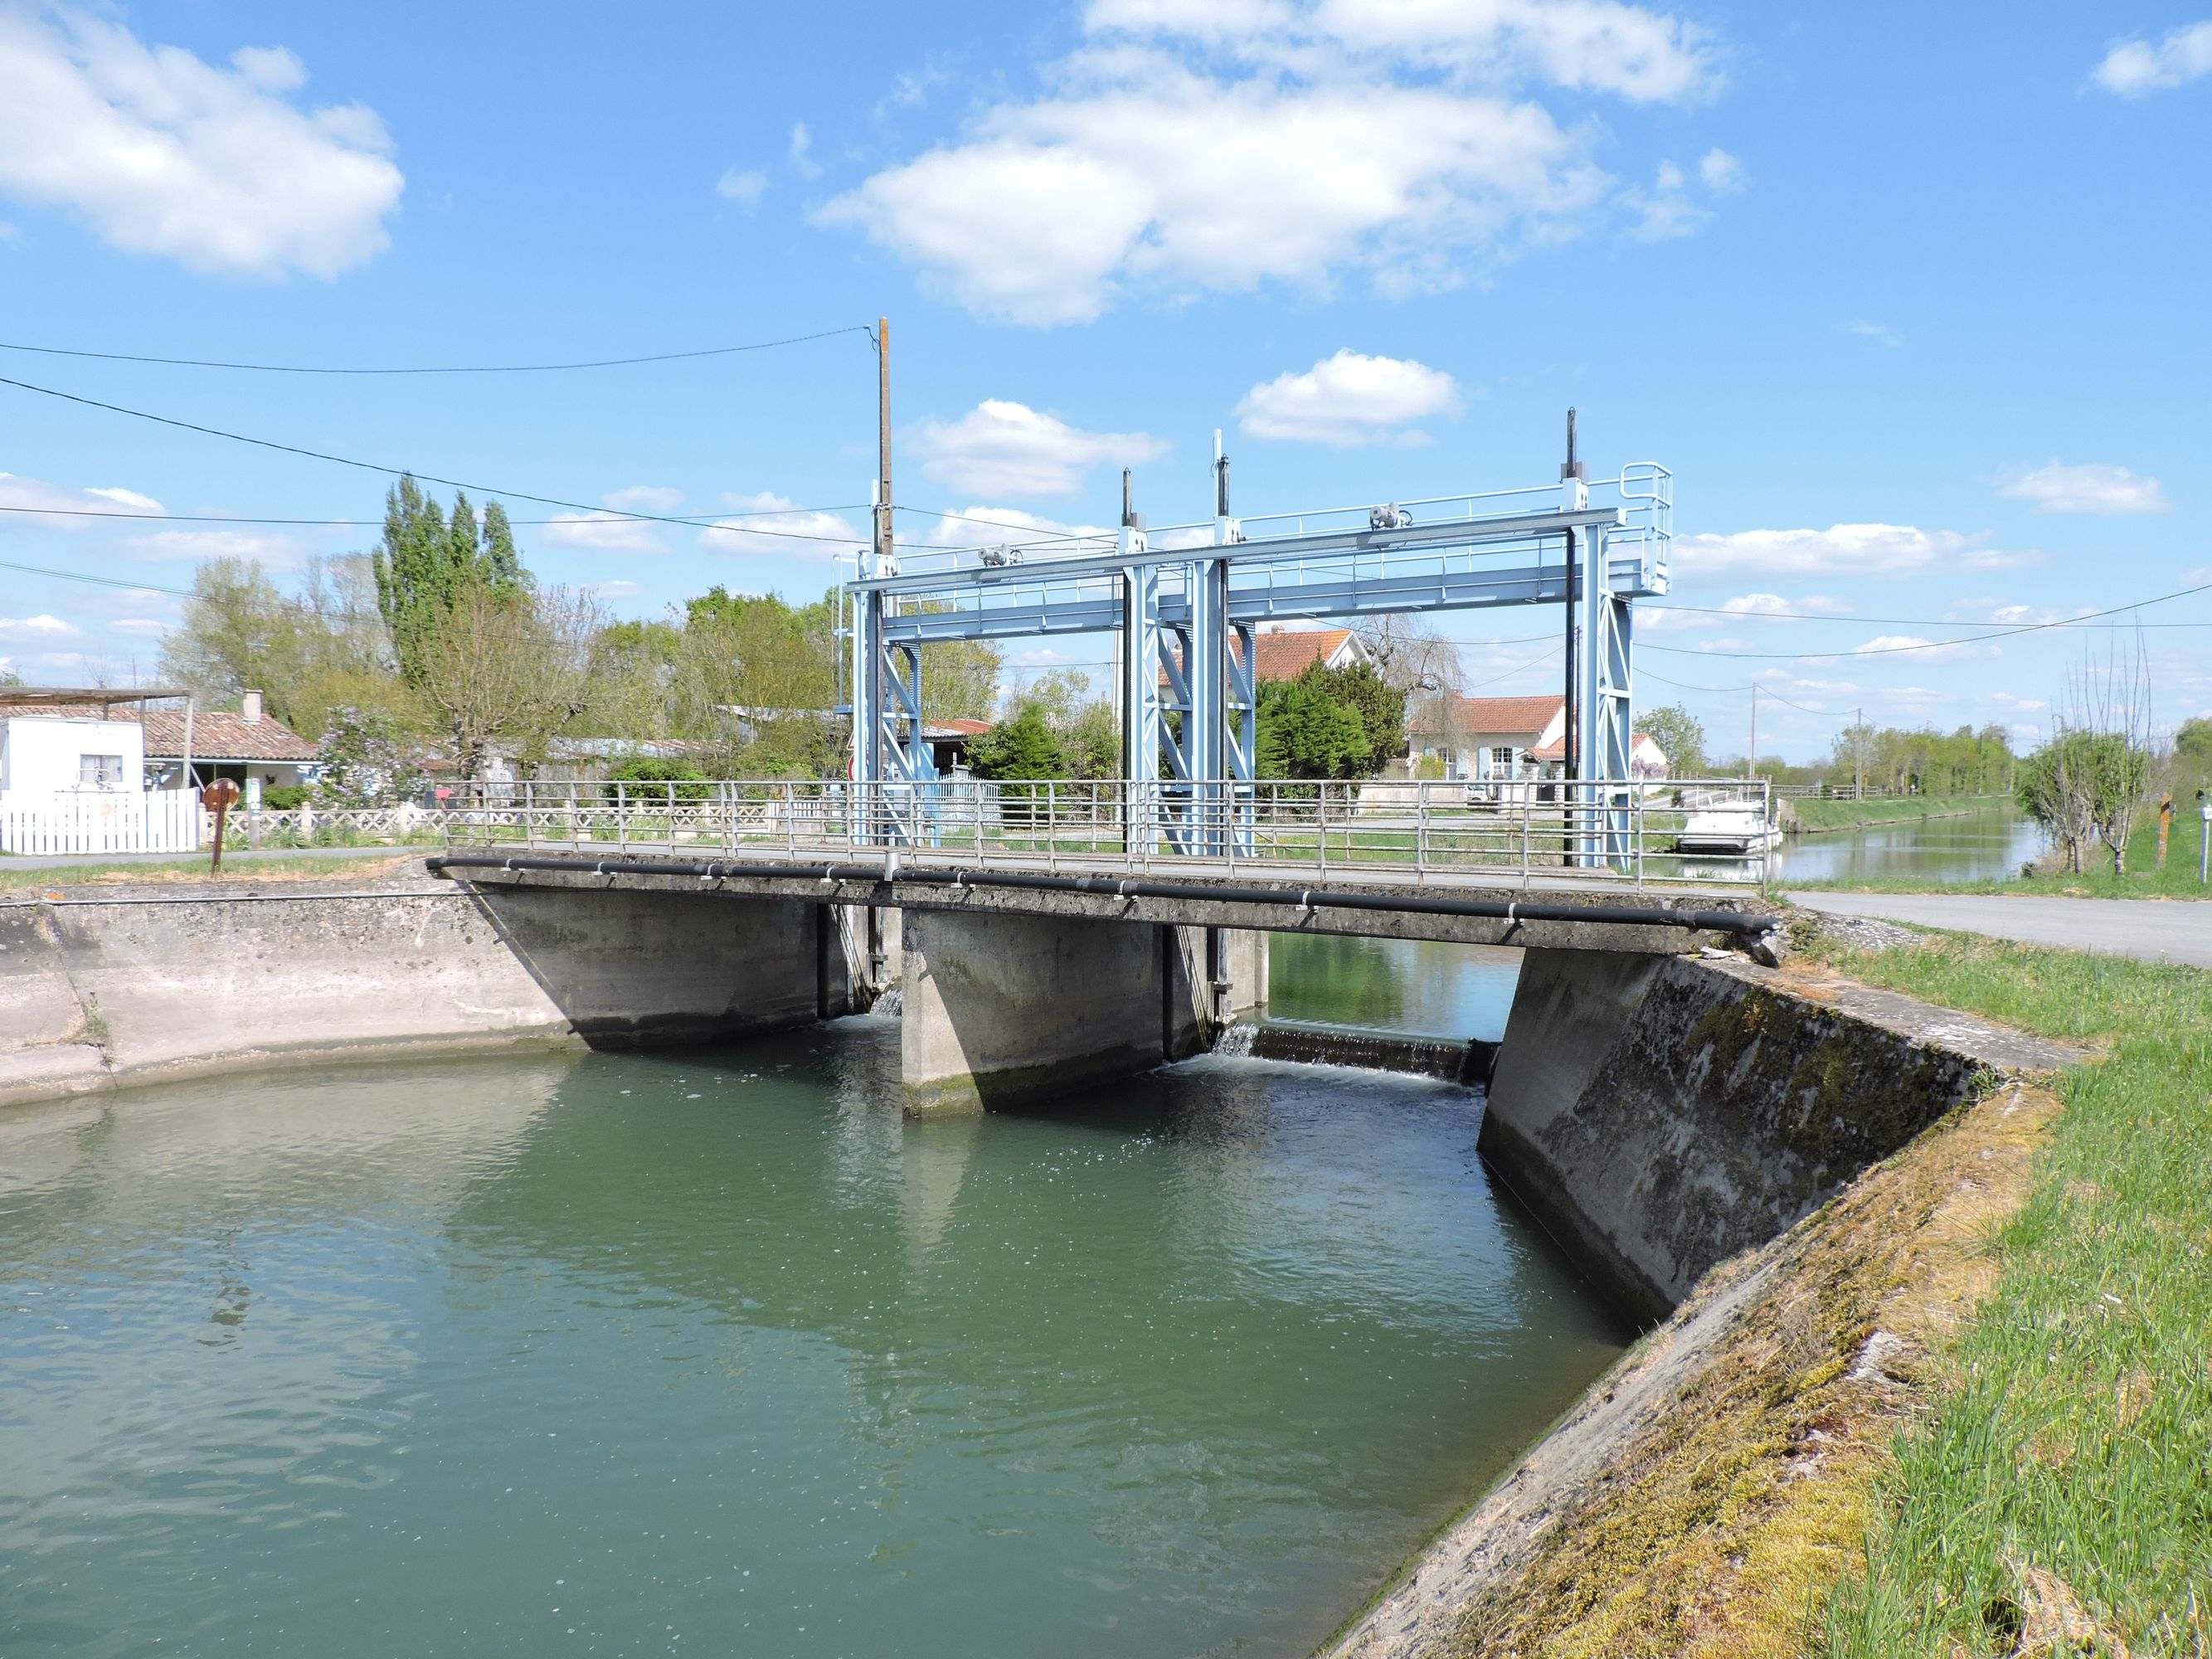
column 1814, row 816
column 2054, row 1497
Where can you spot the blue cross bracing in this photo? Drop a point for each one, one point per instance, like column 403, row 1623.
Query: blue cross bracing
column 1187, row 601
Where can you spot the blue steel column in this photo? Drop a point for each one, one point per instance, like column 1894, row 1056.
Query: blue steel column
column 1207, row 724
column 867, row 712
column 1603, row 714
column 1142, row 726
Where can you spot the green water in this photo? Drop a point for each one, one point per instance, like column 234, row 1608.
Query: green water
column 1395, row 985
column 716, row 1354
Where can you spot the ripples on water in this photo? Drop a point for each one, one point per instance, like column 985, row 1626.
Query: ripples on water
column 716, row 1354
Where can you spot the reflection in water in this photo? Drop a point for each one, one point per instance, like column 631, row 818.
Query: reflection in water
column 714, row 1352
column 1979, row 846
column 1394, row 985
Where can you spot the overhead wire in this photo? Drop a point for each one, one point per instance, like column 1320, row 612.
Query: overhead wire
column 460, row 369
column 1932, row 645
column 101, row 581
column 602, row 513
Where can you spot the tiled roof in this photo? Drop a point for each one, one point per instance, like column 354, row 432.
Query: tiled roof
column 955, row 728
column 1287, row 654
column 1499, row 715
column 219, row 736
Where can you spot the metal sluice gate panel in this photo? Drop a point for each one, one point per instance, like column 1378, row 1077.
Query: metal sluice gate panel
column 1187, row 603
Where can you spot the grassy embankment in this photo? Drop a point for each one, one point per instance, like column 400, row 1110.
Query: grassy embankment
column 351, row 864
column 2054, row 1496
column 1814, row 816
column 2144, row 880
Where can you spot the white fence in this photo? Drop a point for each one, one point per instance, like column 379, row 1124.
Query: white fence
column 104, row 821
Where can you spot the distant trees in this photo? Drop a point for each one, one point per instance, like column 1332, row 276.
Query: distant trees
column 311, row 653
column 1894, row 761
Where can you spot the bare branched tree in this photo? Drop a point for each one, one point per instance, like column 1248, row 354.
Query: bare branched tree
column 2093, row 780
column 506, row 672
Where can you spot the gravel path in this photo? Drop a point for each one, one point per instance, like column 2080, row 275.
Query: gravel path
column 2150, row 930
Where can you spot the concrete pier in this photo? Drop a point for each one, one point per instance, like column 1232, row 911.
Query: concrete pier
column 1001, row 1008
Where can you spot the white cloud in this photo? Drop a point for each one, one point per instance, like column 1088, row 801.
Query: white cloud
column 1665, row 211
column 34, row 628
column 802, row 147
column 266, row 546
column 645, row 498
column 27, row 501
column 602, row 532
column 2135, row 68
column 2109, row 491
column 10, row 235
column 1723, row 173
column 1349, row 399
column 744, row 185
column 1773, row 605
column 1003, row 448
column 998, row 526
column 617, row 589
column 1930, row 650
column 617, row 532
column 1845, row 550
column 777, row 526
column 1880, row 334
column 1232, row 147
column 148, row 626
column 163, row 153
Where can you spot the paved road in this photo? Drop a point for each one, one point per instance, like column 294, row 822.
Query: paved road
column 78, row 861
column 2150, row 930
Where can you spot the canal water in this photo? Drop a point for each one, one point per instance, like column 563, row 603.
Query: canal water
column 715, row 1354
column 1986, row 846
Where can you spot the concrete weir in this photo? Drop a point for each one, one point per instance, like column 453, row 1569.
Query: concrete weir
column 1001, row 1008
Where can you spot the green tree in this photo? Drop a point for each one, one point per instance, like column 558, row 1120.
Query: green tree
column 1305, row 731
column 1679, row 732
column 1023, row 748
column 2192, row 747
column 1380, row 706
column 426, row 568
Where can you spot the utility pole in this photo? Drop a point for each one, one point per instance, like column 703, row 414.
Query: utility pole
column 1572, row 476
column 883, row 537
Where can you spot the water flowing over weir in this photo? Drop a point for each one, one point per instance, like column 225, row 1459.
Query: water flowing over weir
column 713, row 1345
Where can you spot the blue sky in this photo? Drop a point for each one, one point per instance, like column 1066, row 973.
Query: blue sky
column 1912, row 299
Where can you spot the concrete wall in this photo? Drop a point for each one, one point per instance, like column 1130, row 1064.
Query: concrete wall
column 1662, row 1113
column 95, row 992
column 1002, row 1008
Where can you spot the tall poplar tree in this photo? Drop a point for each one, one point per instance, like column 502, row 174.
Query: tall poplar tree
column 426, row 566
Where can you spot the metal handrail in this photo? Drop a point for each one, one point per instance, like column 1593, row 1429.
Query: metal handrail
column 1692, row 832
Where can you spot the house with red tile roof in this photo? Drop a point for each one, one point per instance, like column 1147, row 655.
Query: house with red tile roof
column 1282, row 653
column 1497, row 740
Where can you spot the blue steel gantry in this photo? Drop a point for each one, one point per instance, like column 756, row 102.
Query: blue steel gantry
column 1188, row 600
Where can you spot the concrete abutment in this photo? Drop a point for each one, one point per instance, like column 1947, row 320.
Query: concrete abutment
column 1002, row 1008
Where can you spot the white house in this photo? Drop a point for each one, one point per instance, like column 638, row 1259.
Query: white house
column 1501, row 744
column 73, row 776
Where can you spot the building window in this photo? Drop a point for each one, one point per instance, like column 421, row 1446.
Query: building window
column 1501, row 762
column 100, row 771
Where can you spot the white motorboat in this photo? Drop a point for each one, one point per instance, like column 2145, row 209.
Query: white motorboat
column 1739, row 829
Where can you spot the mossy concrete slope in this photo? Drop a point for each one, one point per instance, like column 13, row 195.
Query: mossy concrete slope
column 1660, row 1114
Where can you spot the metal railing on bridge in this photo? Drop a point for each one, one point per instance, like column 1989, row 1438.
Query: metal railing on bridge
column 1697, row 832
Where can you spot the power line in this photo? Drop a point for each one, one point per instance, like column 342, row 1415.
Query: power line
column 603, row 512
column 1900, row 622
column 468, row 368
column 1932, row 645
column 102, row 581
column 378, row 524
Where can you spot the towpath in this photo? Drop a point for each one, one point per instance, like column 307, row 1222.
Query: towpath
column 2150, row 930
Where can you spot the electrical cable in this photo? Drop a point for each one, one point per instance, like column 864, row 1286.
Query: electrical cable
column 102, row 581
column 488, row 490
column 1931, row 645
column 1898, row 622
column 471, row 368
column 376, row 524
